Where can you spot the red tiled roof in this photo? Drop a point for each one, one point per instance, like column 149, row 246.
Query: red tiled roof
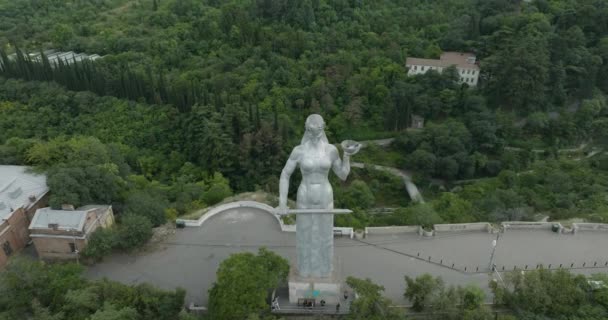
column 447, row 59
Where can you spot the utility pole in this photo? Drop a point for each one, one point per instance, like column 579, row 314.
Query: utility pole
column 494, row 244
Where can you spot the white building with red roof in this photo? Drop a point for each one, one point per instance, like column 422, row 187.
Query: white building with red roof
column 465, row 64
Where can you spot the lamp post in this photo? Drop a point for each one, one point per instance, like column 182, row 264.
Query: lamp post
column 494, row 243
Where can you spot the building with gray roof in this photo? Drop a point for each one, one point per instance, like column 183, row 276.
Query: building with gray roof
column 19, row 188
column 21, row 193
column 63, row 234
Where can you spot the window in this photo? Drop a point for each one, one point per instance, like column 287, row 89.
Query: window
column 415, row 67
column 7, row 248
column 72, row 247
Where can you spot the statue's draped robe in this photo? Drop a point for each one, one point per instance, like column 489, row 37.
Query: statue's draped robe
column 314, row 236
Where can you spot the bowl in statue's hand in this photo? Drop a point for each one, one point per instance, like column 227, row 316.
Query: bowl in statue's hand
column 350, row 146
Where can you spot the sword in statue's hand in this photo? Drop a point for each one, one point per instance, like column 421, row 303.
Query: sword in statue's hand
column 282, row 211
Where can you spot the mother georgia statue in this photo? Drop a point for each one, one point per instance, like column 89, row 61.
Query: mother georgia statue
column 315, row 156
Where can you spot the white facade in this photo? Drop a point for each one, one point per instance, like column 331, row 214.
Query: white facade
column 465, row 64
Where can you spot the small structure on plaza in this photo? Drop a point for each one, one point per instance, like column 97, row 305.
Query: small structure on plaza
column 21, row 193
column 315, row 278
column 63, row 234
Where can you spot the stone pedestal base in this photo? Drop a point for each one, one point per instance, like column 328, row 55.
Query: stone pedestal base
column 328, row 289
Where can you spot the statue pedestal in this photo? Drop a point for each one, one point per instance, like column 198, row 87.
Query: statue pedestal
column 327, row 288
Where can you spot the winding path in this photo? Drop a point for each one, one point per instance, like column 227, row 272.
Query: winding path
column 410, row 187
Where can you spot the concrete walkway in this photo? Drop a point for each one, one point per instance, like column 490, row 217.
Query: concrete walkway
column 190, row 258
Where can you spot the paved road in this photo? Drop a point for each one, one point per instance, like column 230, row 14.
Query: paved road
column 189, row 259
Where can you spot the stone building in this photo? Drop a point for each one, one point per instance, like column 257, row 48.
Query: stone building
column 417, row 122
column 63, row 234
column 465, row 64
column 21, row 194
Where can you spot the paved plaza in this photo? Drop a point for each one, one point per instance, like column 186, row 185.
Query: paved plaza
column 190, row 258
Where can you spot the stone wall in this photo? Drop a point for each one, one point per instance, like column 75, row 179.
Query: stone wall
column 58, row 248
column 589, row 227
column 392, row 230
column 14, row 232
column 528, row 225
column 459, row 227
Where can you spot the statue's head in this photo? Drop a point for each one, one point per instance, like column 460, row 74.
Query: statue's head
column 315, row 129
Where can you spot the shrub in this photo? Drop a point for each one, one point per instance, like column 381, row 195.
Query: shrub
column 144, row 204
column 134, row 231
column 217, row 193
column 101, row 243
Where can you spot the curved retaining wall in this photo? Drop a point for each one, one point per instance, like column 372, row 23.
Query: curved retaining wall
column 229, row 206
column 254, row 205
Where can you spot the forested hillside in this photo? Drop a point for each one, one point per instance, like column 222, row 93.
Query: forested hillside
column 196, row 99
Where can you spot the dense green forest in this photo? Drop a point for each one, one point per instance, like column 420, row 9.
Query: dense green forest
column 196, row 100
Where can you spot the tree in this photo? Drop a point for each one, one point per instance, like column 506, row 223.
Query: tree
column 600, row 132
column 453, row 209
column 81, row 303
column 370, row 304
column 14, row 150
column 356, row 195
column 422, row 161
column 134, row 231
column 243, row 283
column 24, row 280
column 419, row 214
column 517, row 72
column 145, row 204
column 101, row 243
column 544, row 293
column 422, row 290
column 41, row 313
column 472, row 297
column 111, row 312
column 62, row 34
column 218, row 190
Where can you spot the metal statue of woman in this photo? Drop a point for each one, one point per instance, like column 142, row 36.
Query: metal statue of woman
column 315, row 156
